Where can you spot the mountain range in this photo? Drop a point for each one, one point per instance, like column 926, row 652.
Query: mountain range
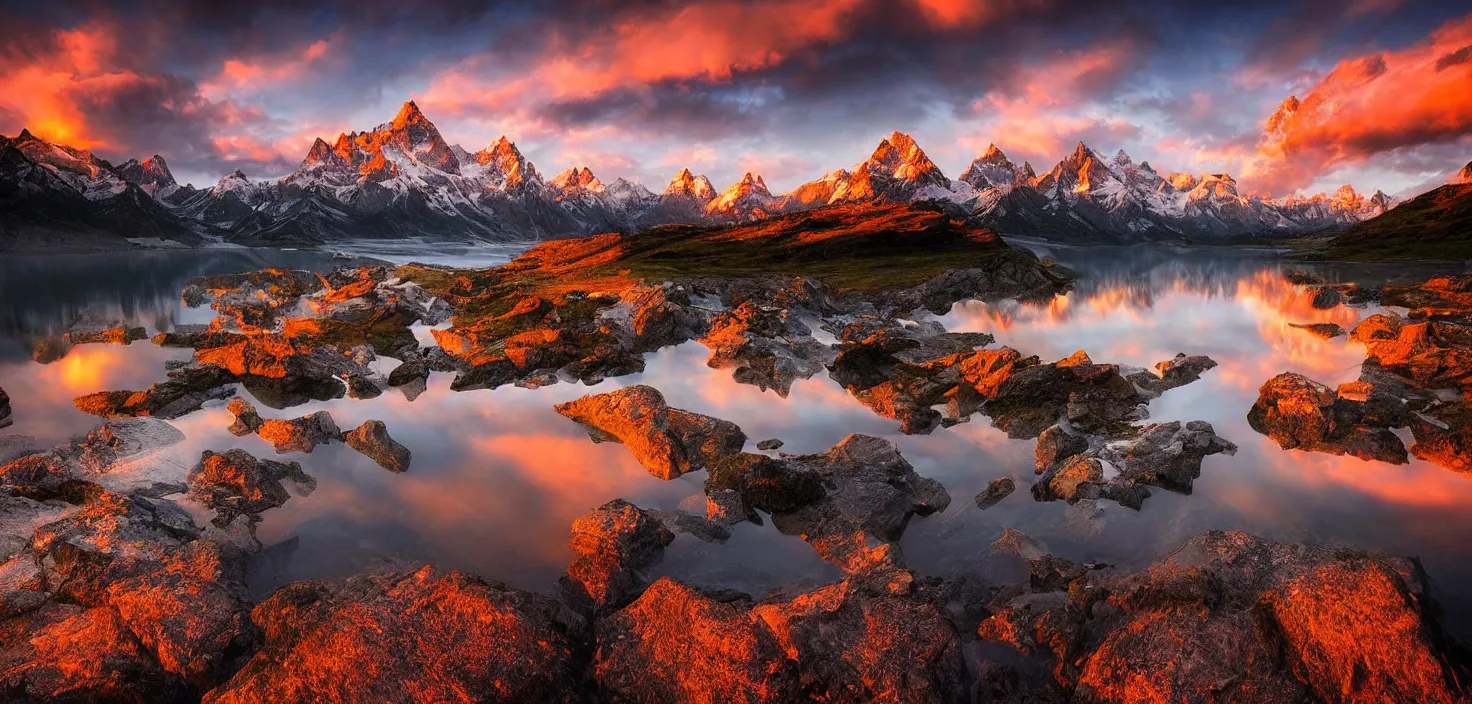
column 402, row 179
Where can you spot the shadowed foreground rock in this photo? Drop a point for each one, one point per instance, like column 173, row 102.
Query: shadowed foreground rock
column 667, row 441
column 423, row 636
column 5, row 419
column 851, row 503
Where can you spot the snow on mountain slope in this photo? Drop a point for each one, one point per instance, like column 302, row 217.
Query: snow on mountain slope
column 402, row 178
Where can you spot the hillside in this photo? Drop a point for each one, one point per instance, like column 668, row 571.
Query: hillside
column 1434, row 225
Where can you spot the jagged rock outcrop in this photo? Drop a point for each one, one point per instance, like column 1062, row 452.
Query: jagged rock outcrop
column 400, row 636
column 234, row 483
column 615, row 544
column 667, row 441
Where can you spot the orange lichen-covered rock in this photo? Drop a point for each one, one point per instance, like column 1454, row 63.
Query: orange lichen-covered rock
column 1185, row 654
column 667, row 441
column 1297, row 412
column 302, row 434
column 70, row 653
column 615, row 544
column 678, row 644
column 234, row 483
column 869, row 638
column 1232, row 617
column 1356, row 634
column 423, row 636
column 191, row 610
column 1444, row 435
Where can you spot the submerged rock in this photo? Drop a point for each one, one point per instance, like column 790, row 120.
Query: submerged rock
column 994, row 492
column 371, row 438
column 615, row 544
column 409, row 636
column 1323, row 331
column 667, row 441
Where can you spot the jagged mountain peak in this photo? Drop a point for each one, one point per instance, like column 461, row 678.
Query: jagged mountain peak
column 688, row 185
column 994, row 170
column 577, row 178
column 1463, row 176
column 409, row 114
column 152, row 175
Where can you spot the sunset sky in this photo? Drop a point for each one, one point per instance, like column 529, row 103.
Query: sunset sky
column 785, row 88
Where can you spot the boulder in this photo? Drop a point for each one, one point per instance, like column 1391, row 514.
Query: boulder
column 872, row 493
column 1173, row 373
column 247, row 421
column 1297, row 412
column 615, row 545
column 848, row 643
column 1165, row 455
column 1227, row 617
column 1095, row 398
column 409, row 636
column 234, row 483
column 676, row 643
column 371, row 438
column 771, row 444
column 63, row 652
column 1443, row 435
column 5, row 419
column 300, row 434
column 667, row 441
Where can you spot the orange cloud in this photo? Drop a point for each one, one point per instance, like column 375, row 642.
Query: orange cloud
column 952, row 14
column 1369, row 105
column 252, row 74
column 47, row 89
column 706, row 41
column 1040, row 112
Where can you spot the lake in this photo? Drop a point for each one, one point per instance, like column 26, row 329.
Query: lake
column 498, row 476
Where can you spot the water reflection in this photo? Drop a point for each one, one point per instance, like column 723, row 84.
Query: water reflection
column 498, row 476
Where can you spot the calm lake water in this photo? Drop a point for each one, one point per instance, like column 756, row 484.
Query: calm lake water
column 498, row 476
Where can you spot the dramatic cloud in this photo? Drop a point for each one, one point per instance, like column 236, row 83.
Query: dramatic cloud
column 1369, row 105
column 789, row 88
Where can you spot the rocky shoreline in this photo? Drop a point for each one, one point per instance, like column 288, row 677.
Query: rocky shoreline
column 111, row 590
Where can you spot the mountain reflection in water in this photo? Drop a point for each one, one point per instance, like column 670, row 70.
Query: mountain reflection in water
column 497, row 476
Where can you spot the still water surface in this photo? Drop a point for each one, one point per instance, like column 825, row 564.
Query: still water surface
column 498, row 476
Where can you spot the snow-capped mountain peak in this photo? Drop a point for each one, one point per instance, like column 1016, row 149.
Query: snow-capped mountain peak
column 688, row 185
column 152, row 175
column 994, row 170
column 504, row 164
column 747, row 199
column 577, row 179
